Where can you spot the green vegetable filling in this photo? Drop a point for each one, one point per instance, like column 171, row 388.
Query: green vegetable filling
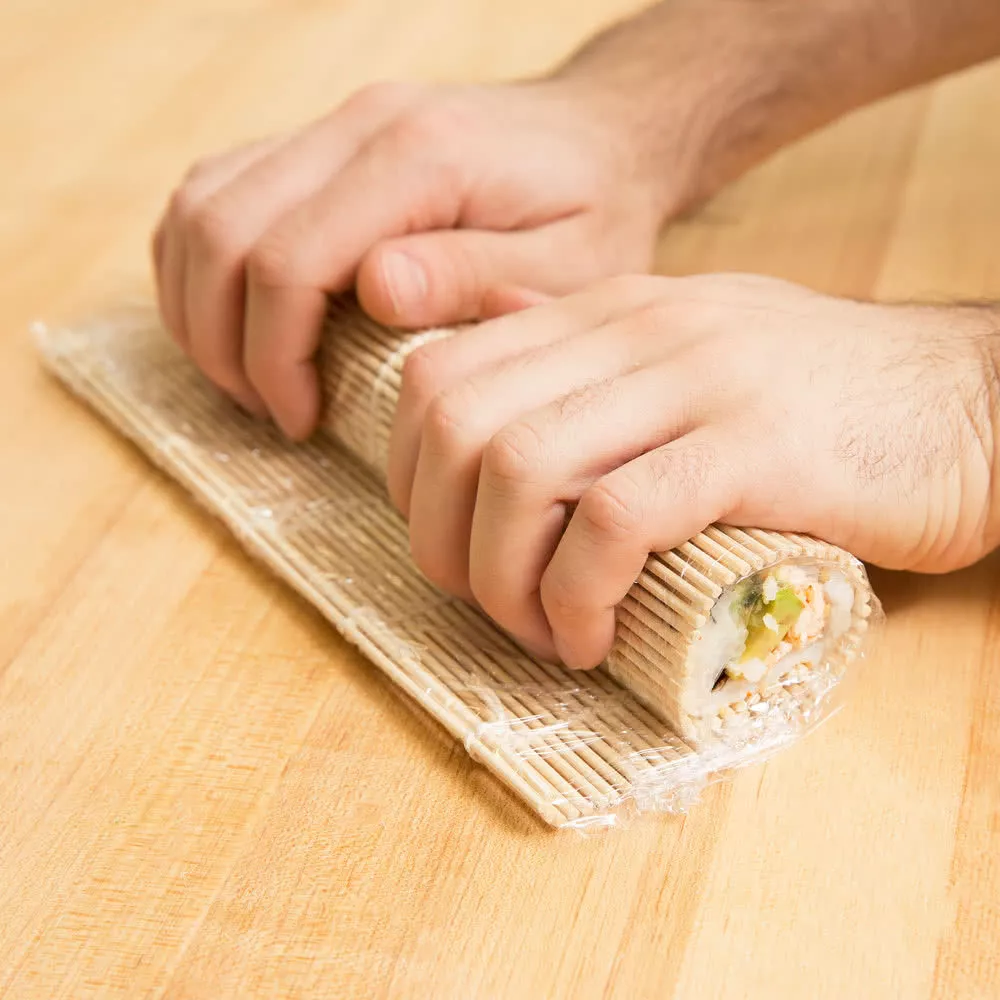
column 751, row 608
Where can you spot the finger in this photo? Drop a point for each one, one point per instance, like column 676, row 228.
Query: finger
column 436, row 367
column 506, row 299
column 315, row 249
column 651, row 504
column 156, row 246
column 160, row 250
column 461, row 423
column 224, row 226
column 214, row 172
column 170, row 284
column 451, row 276
column 201, row 182
column 536, row 468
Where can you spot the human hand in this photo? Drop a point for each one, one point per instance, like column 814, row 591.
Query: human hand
column 441, row 203
column 646, row 408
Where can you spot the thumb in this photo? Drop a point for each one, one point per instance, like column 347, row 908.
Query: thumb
column 452, row 276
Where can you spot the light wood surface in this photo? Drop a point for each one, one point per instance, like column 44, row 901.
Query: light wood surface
column 198, row 799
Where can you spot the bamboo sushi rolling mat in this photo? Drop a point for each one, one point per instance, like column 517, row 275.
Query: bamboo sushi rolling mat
column 208, row 794
column 577, row 746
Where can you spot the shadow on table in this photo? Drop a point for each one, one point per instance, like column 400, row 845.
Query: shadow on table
column 902, row 592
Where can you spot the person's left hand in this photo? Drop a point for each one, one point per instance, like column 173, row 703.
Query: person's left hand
column 647, row 408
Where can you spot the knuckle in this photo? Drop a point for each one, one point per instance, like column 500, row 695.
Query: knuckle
column 588, row 397
column 678, row 314
column 383, row 96
column 184, row 202
column 704, row 283
column 687, row 472
column 663, row 316
column 698, row 477
column 272, row 263
column 733, row 283
column 424, row 374
column 560, row 598
column 612, row 508
column 452, row 419
column 431, row 142
column 212, row 229
column 629, row 287
column 714, row 300
column 429, row 127
column 198, row 171
column 454, row 275
column 515, row 456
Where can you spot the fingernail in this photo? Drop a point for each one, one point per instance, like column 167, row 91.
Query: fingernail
column 543, row 652
column 405, row 280
column 252, row 405
column 571, row 658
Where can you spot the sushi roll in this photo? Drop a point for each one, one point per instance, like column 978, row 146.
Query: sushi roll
column 740, row 629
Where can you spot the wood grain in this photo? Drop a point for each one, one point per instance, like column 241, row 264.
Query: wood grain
column 197, row 802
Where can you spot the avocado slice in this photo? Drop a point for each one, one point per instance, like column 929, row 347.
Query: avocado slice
column 762, row 641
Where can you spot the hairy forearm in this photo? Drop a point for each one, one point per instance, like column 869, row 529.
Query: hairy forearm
column 708, row 88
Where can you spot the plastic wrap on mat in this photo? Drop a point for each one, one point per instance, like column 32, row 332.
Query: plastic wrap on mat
column 728, row 648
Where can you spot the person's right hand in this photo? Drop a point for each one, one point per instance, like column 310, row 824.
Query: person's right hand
column 440, row 204
column 538, row 459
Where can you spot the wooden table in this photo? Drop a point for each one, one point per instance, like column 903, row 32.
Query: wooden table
column 196, row 800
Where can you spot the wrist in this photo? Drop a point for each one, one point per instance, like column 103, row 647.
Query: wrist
column 699, row 91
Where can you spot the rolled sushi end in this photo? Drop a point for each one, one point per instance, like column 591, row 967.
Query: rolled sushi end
column 770, row 639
